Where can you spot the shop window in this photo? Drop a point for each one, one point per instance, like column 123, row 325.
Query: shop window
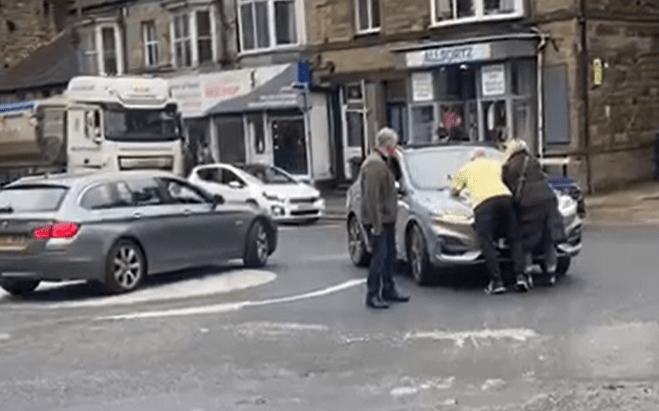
column 456, row 11
column 455, row 83
column 230, row 130
column 193, row 37
column 256, row 132
column 495, row 120
column 289, row 144
column 356, row 131
column 151, row 44
column 423, row 124
column 523, row 75
column 397, row 120
column 266, row 24
column 368, row 15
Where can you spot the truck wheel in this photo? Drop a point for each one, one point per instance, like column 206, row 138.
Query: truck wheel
column 18, row 287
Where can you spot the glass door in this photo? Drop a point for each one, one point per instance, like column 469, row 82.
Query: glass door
column 289, row 144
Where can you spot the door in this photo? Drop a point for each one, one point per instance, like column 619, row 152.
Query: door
column 354, row 137
column 208, row 236
column 289, row 144
column 157, row 223
column 259, row 148
column 231, row 137
column 85, row 137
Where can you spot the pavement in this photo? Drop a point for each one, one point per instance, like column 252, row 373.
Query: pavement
column 634, row 205
column 295, row 336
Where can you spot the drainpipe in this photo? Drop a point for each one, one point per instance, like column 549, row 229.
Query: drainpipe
column 584, row 92
column 540, row 87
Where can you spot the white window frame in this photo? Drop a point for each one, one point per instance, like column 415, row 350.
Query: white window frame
column 191, row 14
column 371, row 29
column 272, row 32
column 479, row 16
column 118, row 44
column 150, row 43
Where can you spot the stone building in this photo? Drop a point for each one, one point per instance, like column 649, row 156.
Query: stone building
column 576, row 79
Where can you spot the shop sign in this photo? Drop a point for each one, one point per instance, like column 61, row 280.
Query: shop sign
column 422, row 87
column 448, row 55
column 195, row 94
column 282, row 100
column 493, row 78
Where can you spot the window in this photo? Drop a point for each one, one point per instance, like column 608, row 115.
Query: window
column 423, row 124
column 368, row 15
column 106, row 196
column 151, row 44
column 194, row 37
column 141, row 125
column 145, row 192
column 257, row 132
column 32, row 198
column 470, row 10
column 179, row 193
column 100, row 50
column 266, row 24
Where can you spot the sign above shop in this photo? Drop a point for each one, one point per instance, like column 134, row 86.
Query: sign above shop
column 448, row 55
column 422, row 89
column 493, row 80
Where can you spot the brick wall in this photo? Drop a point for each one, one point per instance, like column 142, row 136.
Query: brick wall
column 25, row 25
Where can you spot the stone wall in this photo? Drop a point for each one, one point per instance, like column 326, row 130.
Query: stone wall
column 25, row 25
column 623, row 108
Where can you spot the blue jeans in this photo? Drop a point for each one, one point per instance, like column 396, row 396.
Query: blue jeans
column 380, row 275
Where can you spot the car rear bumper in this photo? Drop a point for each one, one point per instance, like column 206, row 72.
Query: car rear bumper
column 50, row 266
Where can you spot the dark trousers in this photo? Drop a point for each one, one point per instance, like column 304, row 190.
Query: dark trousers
column 536, row 235
column 495, row 218
column 380, row 275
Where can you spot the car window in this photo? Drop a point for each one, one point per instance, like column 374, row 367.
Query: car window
column 32, row 198
column 145, row 191
column 229, row 176
column 180, row 193
column 107, row 195
column 211, row 175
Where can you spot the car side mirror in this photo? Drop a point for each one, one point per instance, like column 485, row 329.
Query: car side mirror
column 217, row 200
column 235, row 184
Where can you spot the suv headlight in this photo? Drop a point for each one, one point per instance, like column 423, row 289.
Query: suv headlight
column 454, row 216
column 566, row 205
column 273, row 197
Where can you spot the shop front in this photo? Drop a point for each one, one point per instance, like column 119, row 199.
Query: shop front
column 474, row 91
column 278, row 123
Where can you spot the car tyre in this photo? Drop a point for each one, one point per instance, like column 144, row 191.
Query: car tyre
column 257, row 249
column 18, row 287
column 125, row 267
column 417, row 253
column 563, row 265
column 357, row 244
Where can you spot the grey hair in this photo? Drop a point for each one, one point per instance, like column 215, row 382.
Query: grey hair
column 385, row 137
column 477, row 153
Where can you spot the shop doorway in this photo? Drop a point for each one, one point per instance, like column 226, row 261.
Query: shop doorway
column 231, row 138
column 289, row 144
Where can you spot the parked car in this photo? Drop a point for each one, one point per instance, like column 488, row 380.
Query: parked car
column 435, row 230
column 285, row 198
column 568, row 186
column 116, row 228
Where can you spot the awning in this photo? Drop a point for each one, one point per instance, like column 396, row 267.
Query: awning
column 275, row 94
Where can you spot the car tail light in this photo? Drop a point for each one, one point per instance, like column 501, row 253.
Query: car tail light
column 56, row 230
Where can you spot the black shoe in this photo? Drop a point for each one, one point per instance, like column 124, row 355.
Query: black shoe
column 395, row 297
column 495, row 287
column 522, row 283
column 376, row 302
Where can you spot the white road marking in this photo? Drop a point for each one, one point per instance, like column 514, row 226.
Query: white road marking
column 414, row 387
column 328, row 257
column 199, row 287
column 459, row 337
column 308, row 227
column 228, row 307
column 4, row 337
column 270, row 329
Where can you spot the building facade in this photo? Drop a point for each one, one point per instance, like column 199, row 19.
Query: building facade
column 575, row 79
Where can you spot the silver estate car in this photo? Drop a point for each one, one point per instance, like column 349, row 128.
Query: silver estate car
column 116, row 228
column 435, row 230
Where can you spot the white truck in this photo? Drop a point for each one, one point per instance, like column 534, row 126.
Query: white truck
column 99, row 123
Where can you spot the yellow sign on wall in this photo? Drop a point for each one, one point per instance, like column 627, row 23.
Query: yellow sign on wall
column 597, row 72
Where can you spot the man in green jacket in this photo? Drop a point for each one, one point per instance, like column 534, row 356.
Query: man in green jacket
column 379, row 209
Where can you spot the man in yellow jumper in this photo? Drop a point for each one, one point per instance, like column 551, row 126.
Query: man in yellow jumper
column 494, row 215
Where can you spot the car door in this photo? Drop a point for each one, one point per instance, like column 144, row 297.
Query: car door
column 209, row 233
column 236, row 188
column 157, row 222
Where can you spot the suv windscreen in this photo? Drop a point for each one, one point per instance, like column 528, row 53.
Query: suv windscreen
column 31, row 198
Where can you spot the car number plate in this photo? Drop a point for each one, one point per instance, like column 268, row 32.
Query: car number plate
column 12, row 242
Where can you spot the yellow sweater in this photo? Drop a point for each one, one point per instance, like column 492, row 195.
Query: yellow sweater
column 482, row 179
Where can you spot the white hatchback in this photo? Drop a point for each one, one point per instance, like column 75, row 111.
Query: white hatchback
column 264, row 186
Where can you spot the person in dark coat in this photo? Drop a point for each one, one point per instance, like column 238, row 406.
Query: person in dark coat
column 534, row 202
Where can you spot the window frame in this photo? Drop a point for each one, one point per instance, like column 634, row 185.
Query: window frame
column 272, row 32
column 371, row 27
column 97, row 29
column 480, row 16
column 193, row 37
column 146, row 25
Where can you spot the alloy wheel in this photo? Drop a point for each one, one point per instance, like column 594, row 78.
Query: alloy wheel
column 127, row 267
column 416, row 255
column 262, row 246
column 355, row 244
